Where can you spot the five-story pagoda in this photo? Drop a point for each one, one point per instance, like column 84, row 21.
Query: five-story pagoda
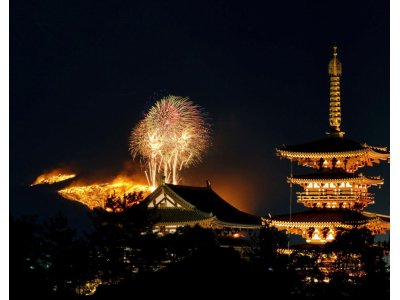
column 335, row 192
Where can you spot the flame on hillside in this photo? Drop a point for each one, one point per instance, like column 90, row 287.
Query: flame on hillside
column 95, row 195
column 52, row 177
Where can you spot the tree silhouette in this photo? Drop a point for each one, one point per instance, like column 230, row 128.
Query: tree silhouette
column 121, row 232
column 359, row 267
column 119, row 204
column 271, row 240
column 68, row 256
column 27, row 271
column 47, row 260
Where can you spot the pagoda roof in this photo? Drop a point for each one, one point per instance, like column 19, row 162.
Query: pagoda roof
column 208, row 201
column 336, row 216
column 337, row 176
column 332, row 146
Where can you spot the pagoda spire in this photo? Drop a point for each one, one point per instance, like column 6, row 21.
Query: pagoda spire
column 335, row 71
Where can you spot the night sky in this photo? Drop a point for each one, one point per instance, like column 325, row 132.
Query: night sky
column 83, row 73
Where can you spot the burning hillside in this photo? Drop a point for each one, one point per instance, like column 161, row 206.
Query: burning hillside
column 53, row 177
column 95, row 194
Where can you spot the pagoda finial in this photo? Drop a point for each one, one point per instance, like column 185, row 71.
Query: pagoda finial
column 335, row 71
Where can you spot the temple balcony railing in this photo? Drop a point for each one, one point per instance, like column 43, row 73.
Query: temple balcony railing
column 338, row 197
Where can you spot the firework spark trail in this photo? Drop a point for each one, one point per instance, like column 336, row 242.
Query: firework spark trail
column 172, row 136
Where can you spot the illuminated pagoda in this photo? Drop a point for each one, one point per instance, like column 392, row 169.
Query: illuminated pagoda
column 177, row 206
column 335, row 192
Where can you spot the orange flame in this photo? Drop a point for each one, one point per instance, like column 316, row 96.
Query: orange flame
column 95, row 195
column 52, row 177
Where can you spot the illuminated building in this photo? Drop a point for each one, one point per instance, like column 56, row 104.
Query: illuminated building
column 177, row 205
column 335, row 193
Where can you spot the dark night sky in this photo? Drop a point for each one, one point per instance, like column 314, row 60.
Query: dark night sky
column 82, row 73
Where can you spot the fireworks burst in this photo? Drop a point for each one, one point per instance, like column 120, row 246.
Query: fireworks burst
column 172, row 136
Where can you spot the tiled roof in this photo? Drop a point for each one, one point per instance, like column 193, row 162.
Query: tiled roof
column 330, row 144
column 343, row 216
column 384, row 218
column 179, row 215
column 332, row 175
column 207, row 201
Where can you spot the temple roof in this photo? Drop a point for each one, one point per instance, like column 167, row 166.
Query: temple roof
column 338, row 176
column 180, row 215
column 208, row 201
column 342, row 216
column 331, row 144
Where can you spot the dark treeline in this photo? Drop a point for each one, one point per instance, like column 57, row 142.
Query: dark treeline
column 50, row 261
